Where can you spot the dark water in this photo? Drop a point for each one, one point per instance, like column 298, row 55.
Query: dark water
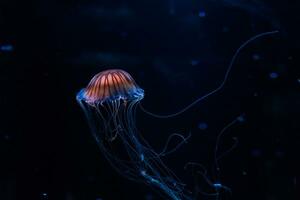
column 176, row 51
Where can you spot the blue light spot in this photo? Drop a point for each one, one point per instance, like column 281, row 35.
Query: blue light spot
column 202, row 13
column 143, row 173
column 217, row 185
column 202, row 126
column 273, row 75
column 7, row 47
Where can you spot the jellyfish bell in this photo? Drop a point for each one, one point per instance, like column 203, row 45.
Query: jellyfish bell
column 109, row 102
column 111, row 85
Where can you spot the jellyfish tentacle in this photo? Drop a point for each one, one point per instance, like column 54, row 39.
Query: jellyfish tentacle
column 221, row 85
column 165, row 150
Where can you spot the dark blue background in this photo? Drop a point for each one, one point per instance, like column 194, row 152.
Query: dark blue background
column 177, row 50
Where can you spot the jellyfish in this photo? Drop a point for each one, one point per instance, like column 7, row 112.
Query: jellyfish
column 109, row 103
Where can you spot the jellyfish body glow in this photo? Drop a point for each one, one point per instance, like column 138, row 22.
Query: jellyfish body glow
column 109, row 103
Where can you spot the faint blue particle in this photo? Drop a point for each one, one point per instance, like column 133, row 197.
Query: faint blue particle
column 194, row 62
column 202, row 126
column 98, row 198
column 7, row 47
column 273, row 75
column 298, row 80
column 202, row 13
column 241, row 118
column 256, row 57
